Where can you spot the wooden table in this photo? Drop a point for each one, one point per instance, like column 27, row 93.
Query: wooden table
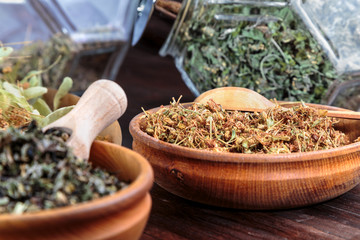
column 175, row 218
column 150, row 81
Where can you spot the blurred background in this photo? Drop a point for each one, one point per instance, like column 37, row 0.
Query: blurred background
column 148, row 79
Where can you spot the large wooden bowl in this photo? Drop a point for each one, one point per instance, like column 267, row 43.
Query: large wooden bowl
column 252, row 181
column 119, row 216
column 122, row 215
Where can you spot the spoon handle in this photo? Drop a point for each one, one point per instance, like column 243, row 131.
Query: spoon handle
column 102, row 103
column 343, row 114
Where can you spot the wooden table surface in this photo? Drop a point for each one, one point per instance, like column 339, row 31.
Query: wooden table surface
column 150, row 81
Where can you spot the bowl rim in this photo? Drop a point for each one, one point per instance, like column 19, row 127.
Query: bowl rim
column 207, row 155
column 137, row 189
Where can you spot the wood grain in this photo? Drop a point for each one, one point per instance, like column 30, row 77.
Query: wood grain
column 251, row 181
column 113, row 132
column 102, row 103
column 173, row 217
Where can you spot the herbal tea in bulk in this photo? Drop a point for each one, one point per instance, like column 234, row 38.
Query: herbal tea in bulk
column 14, row 116
column 276, row 130
column 21, row 97
column 38, row 171
column 260, row 45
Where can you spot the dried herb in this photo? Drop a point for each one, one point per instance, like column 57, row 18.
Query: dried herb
column 82, row 62
column 22, row 98
column 274, row 54
column 32, row 58
column 14, row 116
column 276, row 130
column 38, row 171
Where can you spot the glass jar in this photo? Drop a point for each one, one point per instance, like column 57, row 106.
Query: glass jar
column 83, row 39
column 289, row 50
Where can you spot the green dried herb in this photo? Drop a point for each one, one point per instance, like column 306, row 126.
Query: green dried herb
column 40, row 62
column 38, row 171
column 5, row 52
column 275, row 54
column 64, row 89
column 25, row 96
column 276, row 130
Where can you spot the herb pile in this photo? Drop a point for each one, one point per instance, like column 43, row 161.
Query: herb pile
column 21, row 99
column 14, row 116
column 38, row 171
column 276, row 130
column 274, row 54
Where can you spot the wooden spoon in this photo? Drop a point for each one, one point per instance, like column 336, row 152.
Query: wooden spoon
column 102, row 103
column 243, row 99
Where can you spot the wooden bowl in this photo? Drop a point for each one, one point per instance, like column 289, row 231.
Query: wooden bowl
column 122, row 215
column 252, row 181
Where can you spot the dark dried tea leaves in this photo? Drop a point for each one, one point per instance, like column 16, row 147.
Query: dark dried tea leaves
column 276, row 130
column 38, row 171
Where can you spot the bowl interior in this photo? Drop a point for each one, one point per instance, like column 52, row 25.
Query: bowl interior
column 348, row 126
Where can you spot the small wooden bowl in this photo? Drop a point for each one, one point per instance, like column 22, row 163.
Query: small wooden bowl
column 122, row 215
column 252, row 181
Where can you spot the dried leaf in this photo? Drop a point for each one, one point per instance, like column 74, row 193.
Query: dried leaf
column 42, row 107
column 64, row 89
column 34, row 92
column 5, row 52
column 278, row 58
column 54, row 116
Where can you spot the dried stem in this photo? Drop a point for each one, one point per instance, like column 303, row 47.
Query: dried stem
column 277, row 130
